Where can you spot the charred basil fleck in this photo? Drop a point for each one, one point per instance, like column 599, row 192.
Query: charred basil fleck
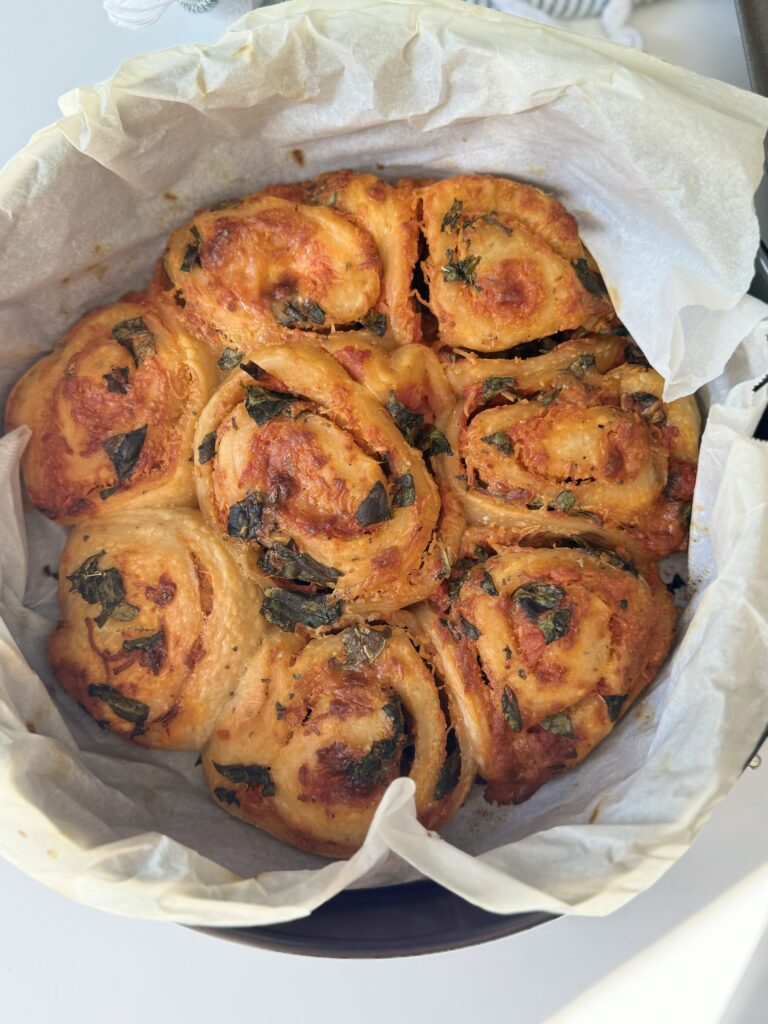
column 250, row 774
column 263, row 405
column 493, row 386
column 536, row 598
column 134, row 711
column 371, row 769
column 192, row 257
column 559, row 725
column 375, row 507
column 375, row 322
column 227, row 796
column 117, row 380
column 104, row 587
column 614, row 703
column 429, row 440
column 488, row 585
column 535, row 503
column 285, row 561
column 124, row 451
column 363, row 644
column 245, row 520
column 298, row 311
column 511, row 709
column 499, row 440
column 583, row 362
column 468, row 629
column 564, row 502
column 403, row 491
column 287, row 608
column 135, row 336
column 449, row 775
column 433, row 442
column 230, row 358
column 151, row 650
column 554, row 624
column 589, row 278
column 207, row 449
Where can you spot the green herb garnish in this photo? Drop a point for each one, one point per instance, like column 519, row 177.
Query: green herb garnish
column 245, row 520
column 375, row 507
column 511, row 709
column 135, row 336
column 299, row 311
column 207, row 449
column 104, row 587
column 559, row 725
column 192, row 257
column 287, row 608
column 250, row 774
column 285, row 561
column 134, row 711
column 614, row 703
column 589, row 278
column 230, row 358
column 493, row 386
column 501, row 441
column 124, row 450
column 363, row 645
column 263, row 405
column 464, row 271
column 403, row 491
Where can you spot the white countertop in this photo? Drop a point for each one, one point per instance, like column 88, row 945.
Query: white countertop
column 672, row 955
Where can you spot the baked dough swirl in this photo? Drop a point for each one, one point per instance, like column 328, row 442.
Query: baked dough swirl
column 335, row 252
column 505, row 265
column 327, row 504
column 157, row 626
column 574, row 442
column 112, row 411
column 307, row 752
column 543, row 650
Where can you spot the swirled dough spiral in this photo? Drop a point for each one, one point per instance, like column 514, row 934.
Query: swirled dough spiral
column 574, row 443
column 543, row 650
column 112, row 411
column 307, row 751
column 505, row 265
column 319, row 491
column 157, row 626
column 338, row 251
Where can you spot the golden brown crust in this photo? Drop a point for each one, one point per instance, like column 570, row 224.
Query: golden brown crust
column 543, row 650
column 112, row 411
column 322, row 475
column 299, row 259
column 307, row 753
column 505, row 265
column 571, row 444
column 157, row 626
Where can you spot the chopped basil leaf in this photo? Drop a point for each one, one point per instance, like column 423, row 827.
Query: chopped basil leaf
column 583, row 362
column 285, row 561
column 468, row 629
column 245, row 518
column 207, row 449
column 535, row 503
column 409, row 423
column 250, row 774
column 117, row 380
column 370, row 769
column 375, row 507
column 299, row 311
column 434, row 442
column 363, row 644
column 564, row 502
column 589, row 278
column 493, row 386
column 547, row 397
column 134, row 335
column 287, row 608
column 614, row 704
column 488, row 585
column 104, row 587
column 499, row 440
column 226, row 796
column 464, row 271
column 559, row 725
column 536, row 598
column 554, row 624
column 134, row 711
column 451, row 219
column 124, row 450
column 511, row 709
column 230, row 358
column 151, row 650
column 192, row 257
column 375, row 322
column 403, row 491
column 449, row 775
column 263, row 405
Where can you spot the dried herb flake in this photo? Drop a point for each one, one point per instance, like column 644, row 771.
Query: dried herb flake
column 511, row 709
column 501, row 441
column 134, row 711
column 245, row 520
column 207, row 449
column 285, row 561
column 403, row 491
column 287, row 608
column 134, row 335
